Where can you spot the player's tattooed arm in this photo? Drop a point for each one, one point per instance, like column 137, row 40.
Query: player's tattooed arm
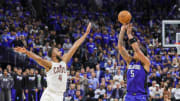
column 121, row 36
column 42, row 62
column 76, row 45
column 124, row 53
column 136, row 49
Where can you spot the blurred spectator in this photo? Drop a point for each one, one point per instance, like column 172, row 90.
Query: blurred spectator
column 117, row 92
column 94, row 81
column 175, row 63
column 152, row 88
column 167, row 94
column 43, row 80
column 31, row 85
column 78, row 87
column 108, row 75
column 9, row 69
column 39, row 83
column 105, row 37
column 109, row 92
column 17, row 42
column 92, row 60
column 157, row 94
column 24, row 43
column 46, row 47
column 6, row 84
column 76, row 79
column 154, row 76
column 19, row 85
column 118, row 77
column 169, row 80
column 176, row 92
column 67, row 45
column 84, row 83
column 90, row 46
column 90, row 93
column 76, row 64
column 99, row 92
column 99, row 72
column 97, row 36
column 60, row 49
column 72, row 90
column 77, row 96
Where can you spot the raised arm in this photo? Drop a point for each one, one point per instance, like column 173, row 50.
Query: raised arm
column 42, row 62
column 124, row 53
column 66, row 57
column 140, row 54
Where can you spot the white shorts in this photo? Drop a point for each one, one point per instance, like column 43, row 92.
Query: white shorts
column 49, row 95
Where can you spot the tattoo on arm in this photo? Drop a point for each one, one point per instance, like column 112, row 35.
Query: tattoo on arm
column 124, row 53
column 121, row 36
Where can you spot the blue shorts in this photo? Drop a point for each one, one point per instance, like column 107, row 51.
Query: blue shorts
column 136, row 97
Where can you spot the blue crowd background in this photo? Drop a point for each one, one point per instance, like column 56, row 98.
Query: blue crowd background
column 96, row 71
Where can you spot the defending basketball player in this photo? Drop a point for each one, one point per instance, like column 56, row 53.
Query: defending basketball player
column 138, row 67
column 55, row 69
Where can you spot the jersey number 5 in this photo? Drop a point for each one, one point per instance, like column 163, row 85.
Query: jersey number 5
column 132, row 73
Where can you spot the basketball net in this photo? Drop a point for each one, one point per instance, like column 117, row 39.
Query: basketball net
column 178, row 48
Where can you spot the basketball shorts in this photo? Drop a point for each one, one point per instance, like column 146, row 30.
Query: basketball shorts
column 49, row 95
column 136, row 97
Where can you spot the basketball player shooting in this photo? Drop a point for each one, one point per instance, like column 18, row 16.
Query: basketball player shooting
column 138, row 67
column 55, row 70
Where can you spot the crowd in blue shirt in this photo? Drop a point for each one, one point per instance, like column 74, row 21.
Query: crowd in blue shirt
column 96, row 70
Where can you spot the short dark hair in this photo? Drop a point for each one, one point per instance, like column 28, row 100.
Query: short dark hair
column 50, row 52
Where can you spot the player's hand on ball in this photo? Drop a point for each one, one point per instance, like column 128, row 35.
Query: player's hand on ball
column 123, row 27
column 129, row 28
column 88, row 28
column 20, row 49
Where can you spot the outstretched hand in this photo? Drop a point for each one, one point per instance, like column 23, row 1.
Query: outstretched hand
column 20, row 49
column 88, row 28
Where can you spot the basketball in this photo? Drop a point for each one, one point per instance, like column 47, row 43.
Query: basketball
column 124, row 17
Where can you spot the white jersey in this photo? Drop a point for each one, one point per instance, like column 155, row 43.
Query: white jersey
column 57, row 77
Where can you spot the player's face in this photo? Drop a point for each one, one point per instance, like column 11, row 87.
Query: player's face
column 57, row 53
column 135, row 56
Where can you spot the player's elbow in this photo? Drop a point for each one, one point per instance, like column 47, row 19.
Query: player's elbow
column 147, row 66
